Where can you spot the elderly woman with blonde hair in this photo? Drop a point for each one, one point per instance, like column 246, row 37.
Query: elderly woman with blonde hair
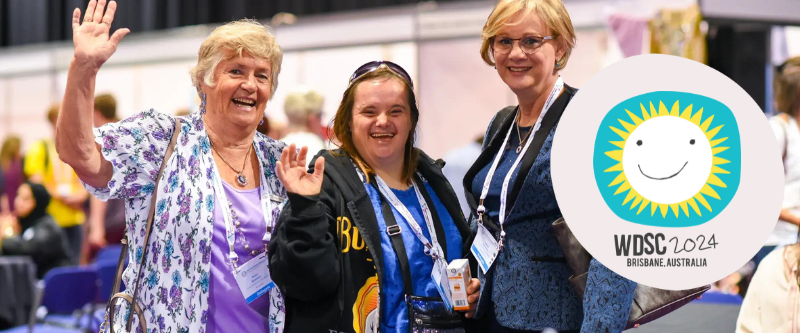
column 304, row 112
column 526, row 287
column 217, row 197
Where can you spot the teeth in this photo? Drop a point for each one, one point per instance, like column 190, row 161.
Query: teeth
column 382, row 135
column 513, row 69
column 244, row 101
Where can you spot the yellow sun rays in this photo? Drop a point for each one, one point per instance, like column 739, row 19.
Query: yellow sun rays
column 635, row 199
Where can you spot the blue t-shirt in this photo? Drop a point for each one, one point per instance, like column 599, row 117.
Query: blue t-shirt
column 394, row 313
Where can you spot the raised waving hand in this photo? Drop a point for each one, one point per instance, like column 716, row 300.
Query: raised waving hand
column 292, row 172
column 90, row 36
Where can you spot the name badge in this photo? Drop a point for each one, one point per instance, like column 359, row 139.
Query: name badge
column 253, row 278
column 484, row 248
column 439, row 276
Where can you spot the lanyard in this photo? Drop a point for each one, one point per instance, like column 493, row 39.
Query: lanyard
column 559, row 86
column 432, row 247
column 227, row 215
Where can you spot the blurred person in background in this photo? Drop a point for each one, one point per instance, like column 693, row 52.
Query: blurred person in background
column 304, row 114
column 332, row 254
column 217, row 198
column 772, row 303
column 43, row 166
column 11, row 170
column 787, row 132
column 30, row 231
column 458, row 161
column 106, row 219
column 527, row 288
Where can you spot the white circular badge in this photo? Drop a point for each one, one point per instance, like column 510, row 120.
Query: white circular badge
column 667, row 172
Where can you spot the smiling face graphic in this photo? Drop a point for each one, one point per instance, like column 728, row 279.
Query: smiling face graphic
column 667, row 159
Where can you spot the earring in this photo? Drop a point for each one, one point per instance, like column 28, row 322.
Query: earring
column 557, row 64
column 262, row 119
column 203, row 105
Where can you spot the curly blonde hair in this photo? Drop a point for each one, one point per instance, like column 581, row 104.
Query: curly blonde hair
column 234, row 39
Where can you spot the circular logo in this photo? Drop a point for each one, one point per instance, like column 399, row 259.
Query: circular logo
column 674, row 161
column 667, row 172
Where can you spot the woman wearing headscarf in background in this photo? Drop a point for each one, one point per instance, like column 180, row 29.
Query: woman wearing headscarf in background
column 39, row 236
column 527, row 288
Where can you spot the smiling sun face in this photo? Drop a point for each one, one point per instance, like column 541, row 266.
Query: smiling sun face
column 667, row 160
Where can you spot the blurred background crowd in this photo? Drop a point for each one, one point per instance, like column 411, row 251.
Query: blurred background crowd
column 755, row 43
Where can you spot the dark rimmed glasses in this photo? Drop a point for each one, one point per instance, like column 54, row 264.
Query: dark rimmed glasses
column 528, row 44
column 375, row 65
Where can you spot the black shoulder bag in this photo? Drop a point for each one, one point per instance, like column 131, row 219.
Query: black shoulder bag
column 648, row 303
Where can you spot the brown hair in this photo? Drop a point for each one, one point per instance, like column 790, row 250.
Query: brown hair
column 344, row 115
column 552, row 12
column 107, row 106
column 52, row 113
column 787, row 88
column 10, row 150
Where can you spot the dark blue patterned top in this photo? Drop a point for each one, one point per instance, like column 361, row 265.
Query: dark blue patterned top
column 527, row 291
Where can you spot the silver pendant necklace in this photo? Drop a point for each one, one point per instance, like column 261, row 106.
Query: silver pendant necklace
column 241, row 179
column 521, row 139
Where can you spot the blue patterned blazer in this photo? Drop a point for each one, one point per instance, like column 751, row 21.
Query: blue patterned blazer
column 528, row 285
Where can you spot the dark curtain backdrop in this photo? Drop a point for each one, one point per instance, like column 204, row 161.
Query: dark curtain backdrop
column 38, row 21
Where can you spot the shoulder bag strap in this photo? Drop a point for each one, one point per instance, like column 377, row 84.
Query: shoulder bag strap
column 396, row 235
column 117, row 280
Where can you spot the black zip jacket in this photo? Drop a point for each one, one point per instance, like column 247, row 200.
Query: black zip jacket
column 325, row 253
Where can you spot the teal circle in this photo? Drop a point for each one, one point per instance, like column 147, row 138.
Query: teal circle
column 601, row 162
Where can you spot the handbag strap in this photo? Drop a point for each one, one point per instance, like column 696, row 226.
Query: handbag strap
column 396, row 235
column 124, row 252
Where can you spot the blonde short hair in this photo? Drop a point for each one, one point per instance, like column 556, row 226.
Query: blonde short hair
column 233, row 39
column 298, row 106
column 552, row 12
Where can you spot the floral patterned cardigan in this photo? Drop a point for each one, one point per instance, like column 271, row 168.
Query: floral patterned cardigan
column 174, row 286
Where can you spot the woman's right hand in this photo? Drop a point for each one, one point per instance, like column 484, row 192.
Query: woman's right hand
column 92, row 44
column 292, row 172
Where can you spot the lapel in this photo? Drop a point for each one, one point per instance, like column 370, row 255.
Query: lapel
column 506, row 119
column 433, row 174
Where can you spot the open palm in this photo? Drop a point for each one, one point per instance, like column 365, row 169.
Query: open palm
column 291, row 170
column 91, row 40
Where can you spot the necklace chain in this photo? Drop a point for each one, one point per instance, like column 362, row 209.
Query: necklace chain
column 231, row 166
column 519, row 135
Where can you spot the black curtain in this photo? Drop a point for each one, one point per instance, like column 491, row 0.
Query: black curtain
column 741, row 52
column 38, row 21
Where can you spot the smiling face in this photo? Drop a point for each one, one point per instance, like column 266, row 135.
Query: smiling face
column 527, row 72
column 381, row 121
column 241, row 91
column 667, row 159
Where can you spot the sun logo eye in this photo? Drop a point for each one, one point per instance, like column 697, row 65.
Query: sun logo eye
column 647, row 166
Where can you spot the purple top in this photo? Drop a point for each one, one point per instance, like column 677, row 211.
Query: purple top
column 227, row 309
column 13, row 179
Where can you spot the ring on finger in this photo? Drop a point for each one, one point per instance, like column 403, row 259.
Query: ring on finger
column 87, row 20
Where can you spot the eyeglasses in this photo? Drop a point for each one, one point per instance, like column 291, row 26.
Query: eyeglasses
column 375, row 65
column 528, row 45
